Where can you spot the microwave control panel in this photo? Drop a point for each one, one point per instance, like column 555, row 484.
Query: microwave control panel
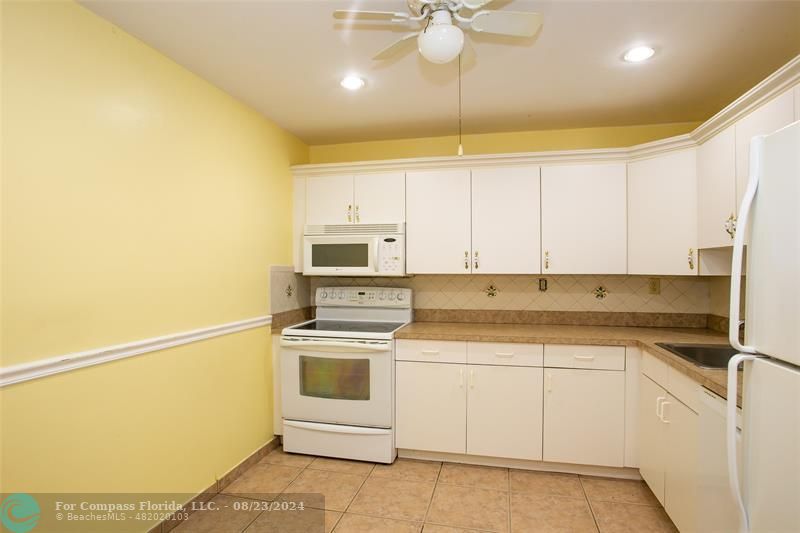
column 364, row 296
column 391, row 255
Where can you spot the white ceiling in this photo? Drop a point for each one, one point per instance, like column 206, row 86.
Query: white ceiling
column 285, row 58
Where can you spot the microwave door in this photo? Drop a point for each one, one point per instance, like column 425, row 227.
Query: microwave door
column 338, row 255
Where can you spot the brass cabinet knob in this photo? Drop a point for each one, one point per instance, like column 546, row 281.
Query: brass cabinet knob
column 691, row 258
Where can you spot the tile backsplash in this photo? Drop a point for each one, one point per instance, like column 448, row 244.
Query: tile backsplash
column 618, row 293
column 287, row 290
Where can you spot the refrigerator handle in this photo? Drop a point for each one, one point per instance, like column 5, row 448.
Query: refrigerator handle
column 756, row 153
column 730, row 437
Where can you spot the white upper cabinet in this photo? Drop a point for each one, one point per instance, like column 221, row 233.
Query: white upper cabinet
column 505, row 220
column 360, row 199
column 379, row 198
column 716, row 189
column 298, row 219
column 329, row 200
column 584, row 219
column 797, row 102
column 438, row 224
column 662, row 214
column 772, row 116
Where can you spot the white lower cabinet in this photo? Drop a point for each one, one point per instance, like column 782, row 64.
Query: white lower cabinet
column 431, row 406
column 668, row 451
column 504, row 411
column 584, row 416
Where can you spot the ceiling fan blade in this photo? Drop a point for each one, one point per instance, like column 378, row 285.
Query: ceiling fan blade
column 400, row 45
column 476, row 4
column 514, row 23
column 355, row 14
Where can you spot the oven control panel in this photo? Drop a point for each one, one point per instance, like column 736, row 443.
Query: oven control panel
column 364, row 297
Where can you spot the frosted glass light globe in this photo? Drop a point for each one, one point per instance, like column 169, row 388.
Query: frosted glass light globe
column 441, row 43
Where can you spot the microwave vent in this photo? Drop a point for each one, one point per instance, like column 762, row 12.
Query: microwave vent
column 354, row 229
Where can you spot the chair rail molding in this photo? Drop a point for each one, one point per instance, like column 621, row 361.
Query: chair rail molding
column 11, row 375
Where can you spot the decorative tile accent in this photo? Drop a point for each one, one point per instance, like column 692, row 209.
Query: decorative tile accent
column 287, row 289
column 679, row 294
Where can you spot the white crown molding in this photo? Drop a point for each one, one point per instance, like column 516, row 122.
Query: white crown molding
column 64, row 363
column 779, row 81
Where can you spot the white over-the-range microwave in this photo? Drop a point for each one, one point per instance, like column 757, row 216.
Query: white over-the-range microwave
column 354, row 250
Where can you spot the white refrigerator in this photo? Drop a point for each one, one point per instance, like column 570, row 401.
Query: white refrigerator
column 765, row 482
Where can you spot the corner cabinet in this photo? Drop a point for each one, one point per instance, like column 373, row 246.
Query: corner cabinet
column 359, row 199
column 716, row 190
column 484, row 221
column 662, row 215
column 584, row 219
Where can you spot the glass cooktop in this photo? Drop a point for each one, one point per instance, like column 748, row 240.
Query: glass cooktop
column 349, row 326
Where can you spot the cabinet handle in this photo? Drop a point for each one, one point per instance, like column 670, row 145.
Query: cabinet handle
column 476, row 260
column 584, row 357
column 691, row 258
column 658, row 406
column 466, row 259
column 350, row 213
column 358, row 217
column 663, row 414
column 548, row 382
column 504, row 354
column 471, row 379
column 546, row 259
column 430, row 352
column 730, row 226
column 461, row 378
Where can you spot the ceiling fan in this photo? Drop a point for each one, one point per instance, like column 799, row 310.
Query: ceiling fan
column 441, row 39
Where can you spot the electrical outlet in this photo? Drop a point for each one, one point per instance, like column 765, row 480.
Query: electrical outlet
column 654, row 286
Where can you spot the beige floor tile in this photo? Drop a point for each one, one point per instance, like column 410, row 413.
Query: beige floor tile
column 280, row 457
column 341, row 465
column 469, row 507
column 550, row 514
column 483, row 477
column 409, row 469
column 353, row 523
column 546, row 483
column 599, row 489
column 337, row 488
column 433, row 528
column 631, row 518
column 225, row 519
column 263, row 481
column 393, row 498
column 295, row 521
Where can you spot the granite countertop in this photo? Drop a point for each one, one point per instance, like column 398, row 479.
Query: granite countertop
column 644, row 338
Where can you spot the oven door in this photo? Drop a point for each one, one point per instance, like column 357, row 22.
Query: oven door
column 337, row 381
column 340, row 255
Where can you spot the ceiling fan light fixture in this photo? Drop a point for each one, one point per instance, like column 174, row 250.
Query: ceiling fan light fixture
column 637, row 54
column 441, row 43
column 352, row 82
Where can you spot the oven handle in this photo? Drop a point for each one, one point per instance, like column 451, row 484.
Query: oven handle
column 333, row 428
column 338, row 346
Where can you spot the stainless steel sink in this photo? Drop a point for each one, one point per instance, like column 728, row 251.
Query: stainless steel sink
column 703, row 355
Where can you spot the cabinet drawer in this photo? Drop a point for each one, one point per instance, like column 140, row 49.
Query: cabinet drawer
column 595, row 357
column 432, row 351
column 503, row 353
column 655, row 369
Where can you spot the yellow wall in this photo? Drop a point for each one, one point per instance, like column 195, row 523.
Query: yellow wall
column 137, row 200
column 496, row 143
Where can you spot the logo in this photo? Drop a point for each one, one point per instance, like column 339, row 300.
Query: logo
column 20, row 513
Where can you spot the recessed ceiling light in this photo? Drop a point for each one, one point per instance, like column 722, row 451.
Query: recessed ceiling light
column 638, row 53
column 352, row 83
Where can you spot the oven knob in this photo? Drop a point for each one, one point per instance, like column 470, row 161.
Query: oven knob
column 391, row 296
column 381, row 296
column 341, row 295
column 399, row 296
column 323, row 295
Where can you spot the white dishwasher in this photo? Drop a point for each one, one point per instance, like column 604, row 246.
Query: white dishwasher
column 716, row 509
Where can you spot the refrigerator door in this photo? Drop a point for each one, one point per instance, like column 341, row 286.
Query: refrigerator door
column 773, row 256
column 771, row 446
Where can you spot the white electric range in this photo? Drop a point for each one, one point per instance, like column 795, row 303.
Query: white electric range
column 337, row 374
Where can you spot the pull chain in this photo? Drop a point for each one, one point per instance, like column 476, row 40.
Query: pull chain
column 460, row 146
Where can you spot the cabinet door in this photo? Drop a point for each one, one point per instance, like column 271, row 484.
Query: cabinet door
column 298, row 220
column 797, row 102
column 438, row 222
column 504, row 413
column 431, row 407
column 772, row 116
column 662, row 214
column 652, row 435
column 584, row 219
column 716, row 189
column 380, row 198
column 680, row 467
column 584, row 416
column 329, row 200
column 505, row 221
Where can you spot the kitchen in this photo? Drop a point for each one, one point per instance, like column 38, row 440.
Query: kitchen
column 509, row 328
